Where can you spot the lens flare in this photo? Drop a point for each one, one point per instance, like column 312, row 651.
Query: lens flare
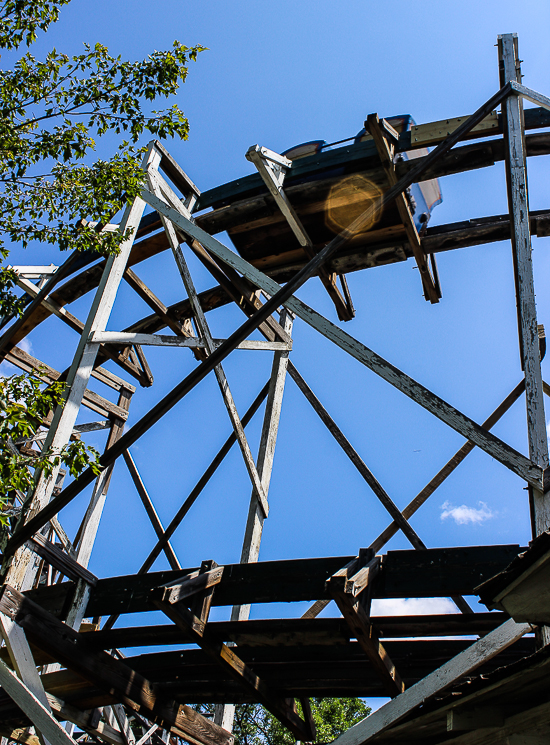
column 348, row 200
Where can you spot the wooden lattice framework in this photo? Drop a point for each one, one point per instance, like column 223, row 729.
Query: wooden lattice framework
column 82, row 677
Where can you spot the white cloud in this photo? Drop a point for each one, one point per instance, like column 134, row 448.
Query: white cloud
column 463, row 514
column 412, row 606
column 25, row 345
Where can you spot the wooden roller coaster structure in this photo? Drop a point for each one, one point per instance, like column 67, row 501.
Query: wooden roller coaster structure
column 325, row 214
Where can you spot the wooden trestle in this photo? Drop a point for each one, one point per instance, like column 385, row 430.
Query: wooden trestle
column 276, row 224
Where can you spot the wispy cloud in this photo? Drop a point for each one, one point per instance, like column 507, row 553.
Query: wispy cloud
column 463, row 514
column 412, row 606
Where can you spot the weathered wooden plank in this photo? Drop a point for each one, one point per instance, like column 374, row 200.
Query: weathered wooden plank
column 227, row 658
column 516, row 178
column 300, row 632
column 125, row 337
column 461, row 665
column 255, row 519
column 91, row 400
column 108, row 673
column 64, row 563
column 191, row 585
column 430, row 573
column 33, row 708
column 441, row 409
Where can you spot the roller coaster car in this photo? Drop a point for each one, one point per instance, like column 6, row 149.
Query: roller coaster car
column 328, row 186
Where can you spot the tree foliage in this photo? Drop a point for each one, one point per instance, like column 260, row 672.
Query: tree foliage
column 253, row 725
column 24, row 405
column 52, row 112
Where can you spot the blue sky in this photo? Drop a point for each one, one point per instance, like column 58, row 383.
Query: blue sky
column 277, row 75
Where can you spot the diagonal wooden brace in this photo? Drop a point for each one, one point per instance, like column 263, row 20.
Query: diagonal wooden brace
column 272, row 167
column 381, row 132
column 107, row 673
column 346, row 587
column 195, row 628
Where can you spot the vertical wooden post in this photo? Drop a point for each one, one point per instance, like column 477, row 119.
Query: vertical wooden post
column 80, row 372
column 224, row 713
column 266, row 453
column 516, row 177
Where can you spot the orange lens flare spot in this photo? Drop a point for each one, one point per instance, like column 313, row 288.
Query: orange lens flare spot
column 350, row 198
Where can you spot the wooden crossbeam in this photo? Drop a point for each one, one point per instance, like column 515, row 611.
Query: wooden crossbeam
column 192, row 585
column 120, row 358
column 440, row 572
column 149, row 297
column 64, row 563
column 37, row 712
column 380, row 134
column 195, row 627
column 346, row 587
column 107, row 673
column 48, row 374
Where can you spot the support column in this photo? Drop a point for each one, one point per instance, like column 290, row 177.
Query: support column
column 79, row 375
column 225, row 713
column 516, row 177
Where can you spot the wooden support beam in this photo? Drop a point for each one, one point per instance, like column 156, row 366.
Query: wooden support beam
column 85, row 538
column 463, row 664
column 88, row 721
column 346, row 587
column 22, row 661
column 91, row 400
column 125, row 337
column 161, row 189
column 150, row 509
column 108, row 673
column 298, row 632
column 516, row 178
column 438, row 572
column 379, row 132
column 63, row 562
column 77, row 325
column 197, row 629
column 36, row 711
column 272, row 168
column 255, row 520
column 192, row 584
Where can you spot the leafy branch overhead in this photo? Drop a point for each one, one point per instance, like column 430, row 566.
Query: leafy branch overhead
column 52, row 111
column 24, row 407
column 54, row 188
